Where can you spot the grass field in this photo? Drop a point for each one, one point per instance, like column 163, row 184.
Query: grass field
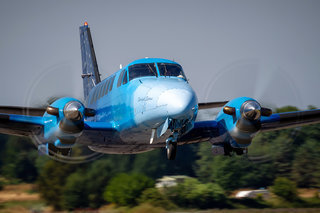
column 262, row 211
column 23, row 198
column 20, row 198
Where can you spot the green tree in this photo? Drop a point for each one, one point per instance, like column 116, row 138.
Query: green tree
column 286, row 109
column 192, row 193
column 306, row 165
column 3, row 141
column 51, row 182
column 74, row 194
column 68, row 186
column 232, row 172
column 156, row 198
column 285, row 188
column 228, row 172
column 203, row 166
column 309, row 132
column 97, row 177
column 149, row 163
column 19, row 157
column 283, row 153
column 182, row 165
column 124, row 189
column 154, row 164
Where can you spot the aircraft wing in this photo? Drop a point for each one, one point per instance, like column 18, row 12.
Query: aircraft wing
column 290, row 119
column 209, row 105
column 21, row 121
column 213, row 130
column 22, row 110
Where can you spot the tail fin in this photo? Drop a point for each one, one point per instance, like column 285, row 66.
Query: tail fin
column 90, row 71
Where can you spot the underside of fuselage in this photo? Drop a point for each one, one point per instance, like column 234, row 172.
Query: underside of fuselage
column 135, row 146
column 125, row 142
column 137, row 140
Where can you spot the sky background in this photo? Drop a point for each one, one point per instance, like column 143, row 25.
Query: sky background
column 268, row 50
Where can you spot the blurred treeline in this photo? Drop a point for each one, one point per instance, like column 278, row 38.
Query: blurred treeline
column 128, row 180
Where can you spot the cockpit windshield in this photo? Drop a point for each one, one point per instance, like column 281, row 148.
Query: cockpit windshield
column 167, row 69
column 141, row 70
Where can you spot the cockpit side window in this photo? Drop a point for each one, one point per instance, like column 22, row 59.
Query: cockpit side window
column 167, row 69
column 141, row 70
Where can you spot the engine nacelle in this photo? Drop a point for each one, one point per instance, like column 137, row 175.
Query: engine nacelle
column 64, row 121
column 241, row 119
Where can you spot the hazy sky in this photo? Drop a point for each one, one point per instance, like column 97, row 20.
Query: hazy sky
column 269, row 50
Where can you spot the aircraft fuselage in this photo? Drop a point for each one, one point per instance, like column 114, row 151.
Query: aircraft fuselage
column 165, row 104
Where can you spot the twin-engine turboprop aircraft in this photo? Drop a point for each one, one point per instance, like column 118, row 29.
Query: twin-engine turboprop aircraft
column 146, row 105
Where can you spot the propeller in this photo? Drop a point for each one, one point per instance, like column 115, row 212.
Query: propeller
column 61, row 80
column 270, row 86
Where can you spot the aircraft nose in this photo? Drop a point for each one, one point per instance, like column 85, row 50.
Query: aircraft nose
column 180, row 103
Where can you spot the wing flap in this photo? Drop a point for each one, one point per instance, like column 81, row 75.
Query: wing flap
column 201, row 132
column 98, row 133
column 290, row 119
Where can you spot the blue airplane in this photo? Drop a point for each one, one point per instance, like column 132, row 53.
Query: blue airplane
column 145, row 105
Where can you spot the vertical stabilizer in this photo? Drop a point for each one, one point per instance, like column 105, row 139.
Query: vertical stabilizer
column 90, row 71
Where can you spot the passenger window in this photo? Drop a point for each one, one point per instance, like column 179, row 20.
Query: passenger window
column 125, row 78
column 141, row 70
column 111, row 83
column 90, row 98
column 102, row 89
column 95, row 95
column 98, row 92
column 120, row 78
column 107, row 87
